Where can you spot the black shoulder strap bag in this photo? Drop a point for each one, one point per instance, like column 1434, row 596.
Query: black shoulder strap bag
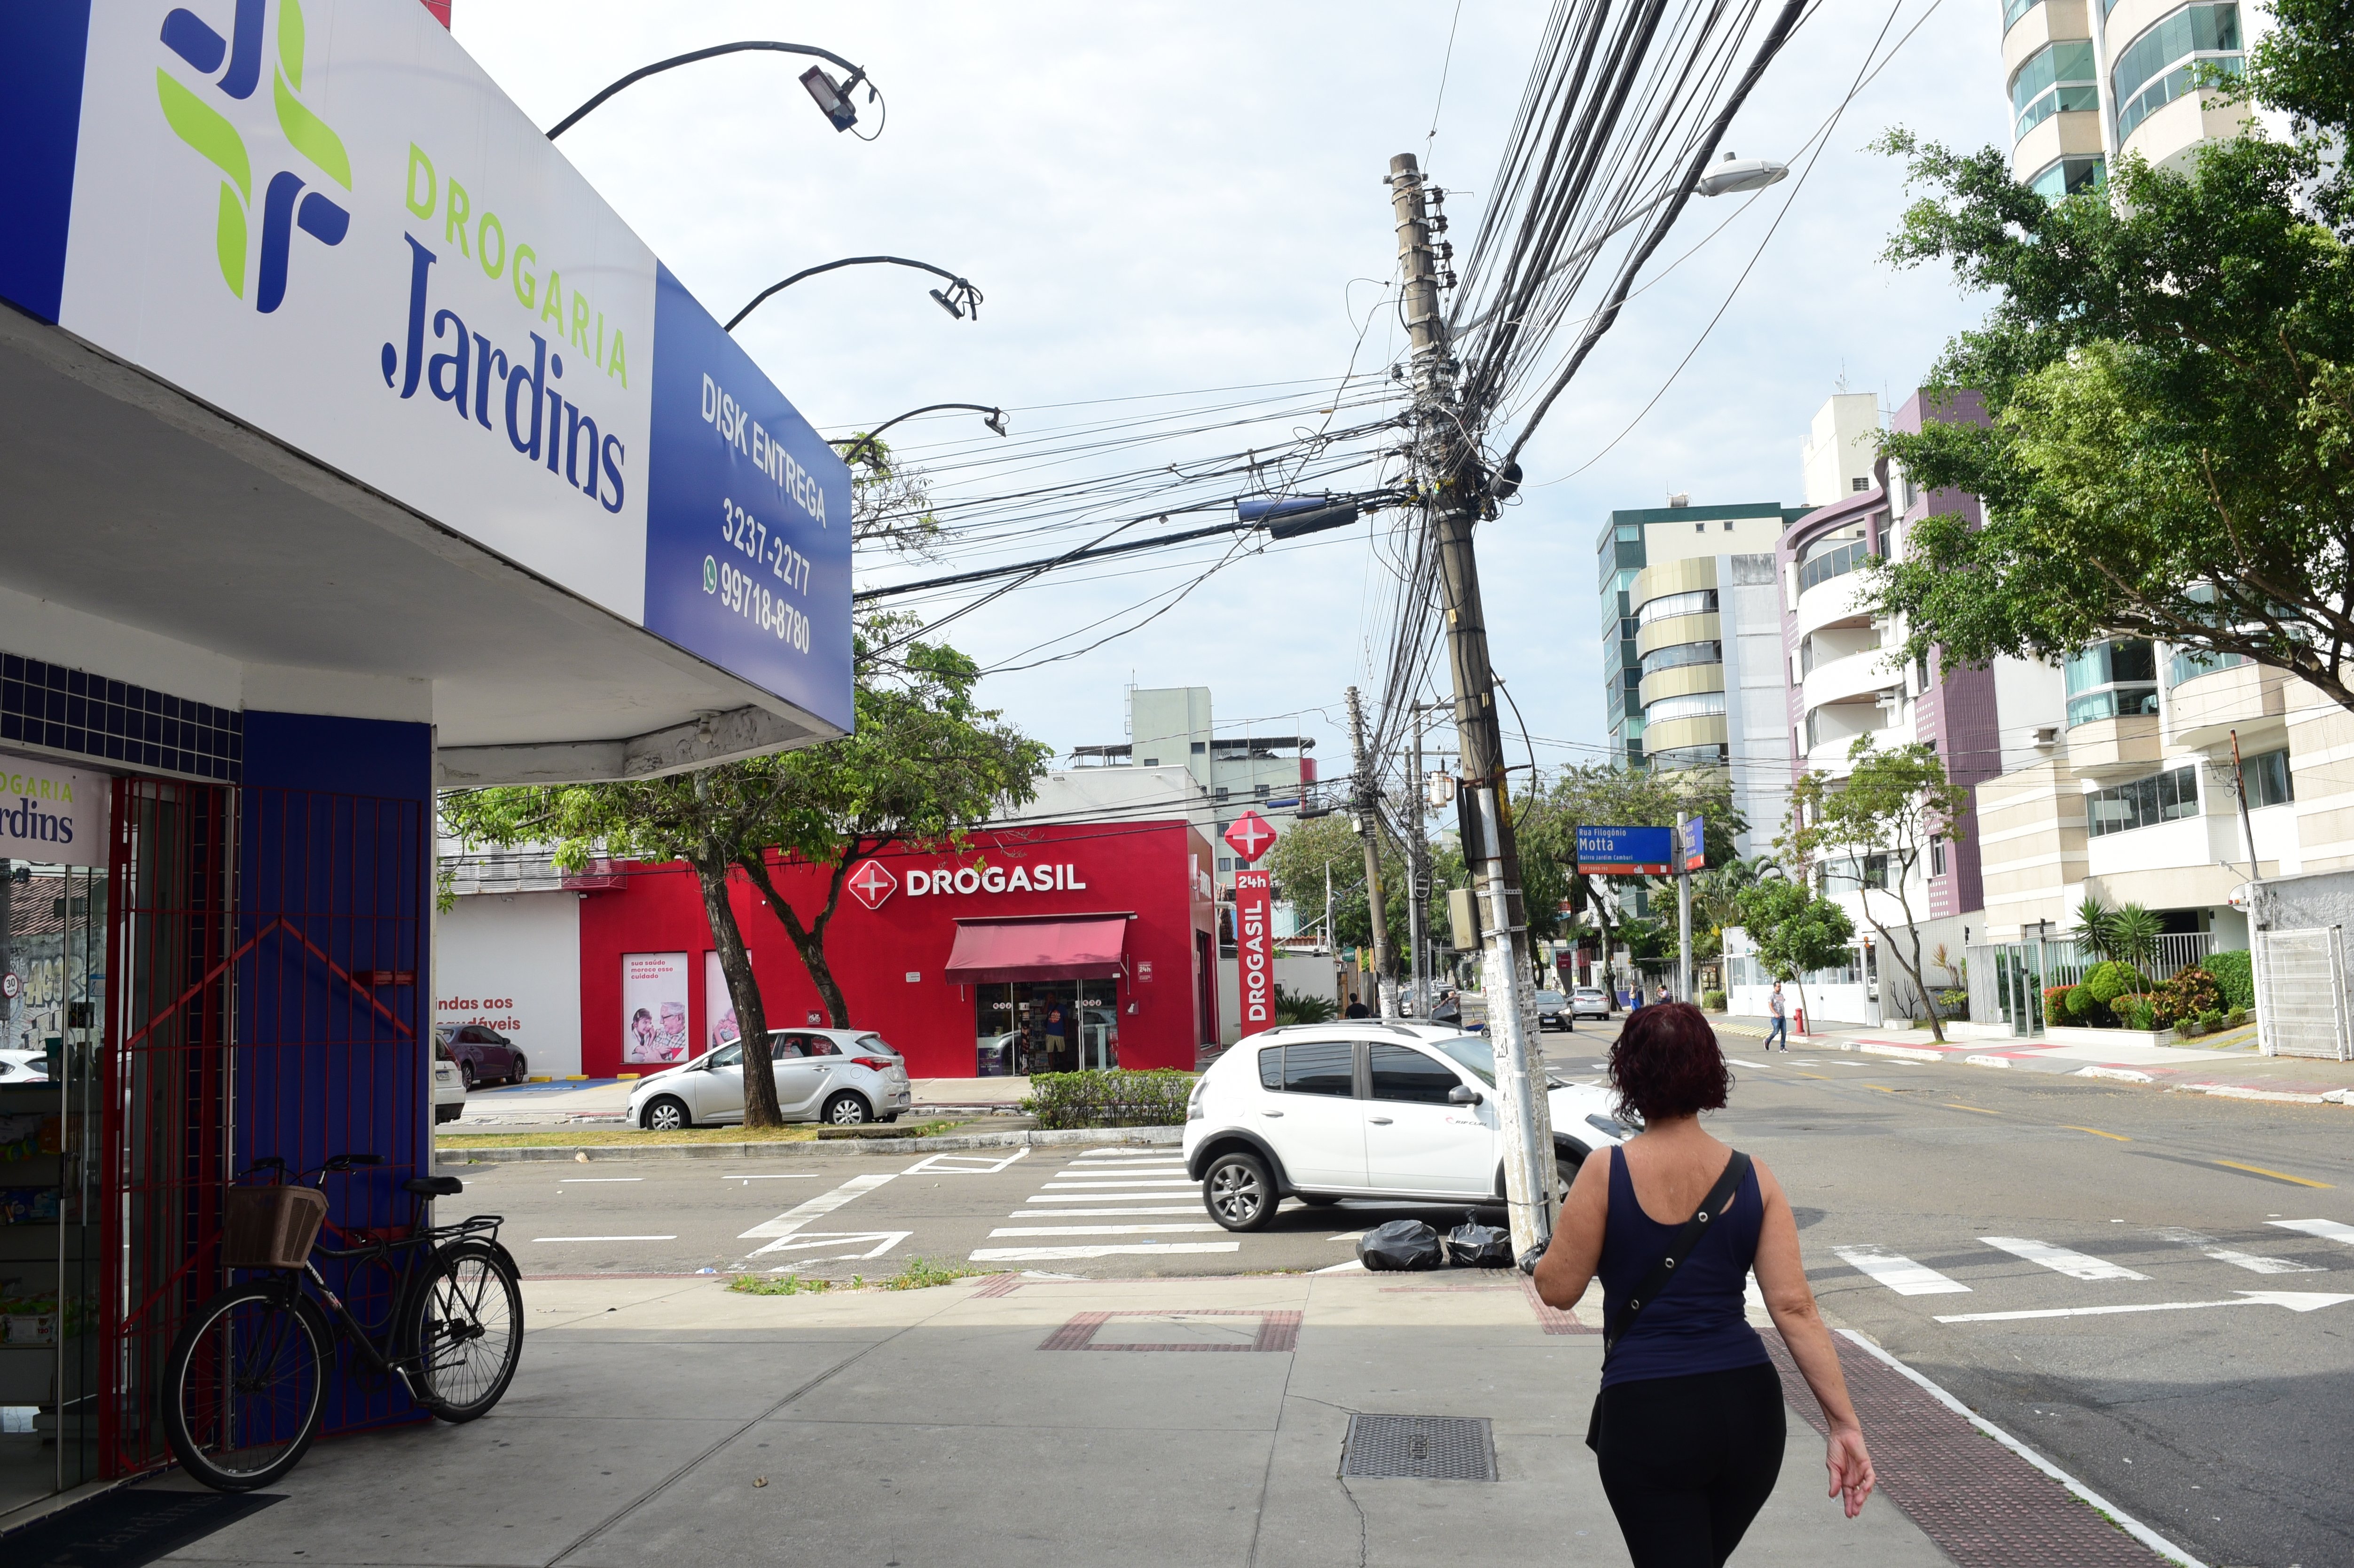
column 1712, row 1207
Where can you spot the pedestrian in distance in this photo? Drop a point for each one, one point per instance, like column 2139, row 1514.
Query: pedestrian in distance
column 1779, row 1011
column 1689, row 1424
column 1662, row 998
column 1357, row 1008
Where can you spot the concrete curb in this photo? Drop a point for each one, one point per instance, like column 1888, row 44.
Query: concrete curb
column 2117, row 1074
column 812, row 1149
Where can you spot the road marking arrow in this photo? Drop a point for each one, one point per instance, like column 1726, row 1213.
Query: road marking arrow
column 877, row 1243
column 2295, row 1300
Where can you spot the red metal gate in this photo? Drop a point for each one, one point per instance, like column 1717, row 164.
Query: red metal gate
column 265, row 953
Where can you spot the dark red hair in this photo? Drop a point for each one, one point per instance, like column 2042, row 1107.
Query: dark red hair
column 1666, row 1064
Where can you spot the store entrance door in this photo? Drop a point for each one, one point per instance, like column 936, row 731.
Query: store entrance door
column 1046, row 1026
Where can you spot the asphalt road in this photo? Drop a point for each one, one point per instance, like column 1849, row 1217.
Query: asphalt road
column 2198, row 1379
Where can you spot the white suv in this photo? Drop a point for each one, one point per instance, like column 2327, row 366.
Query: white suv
column 844, row 1076
column 1364, row 1109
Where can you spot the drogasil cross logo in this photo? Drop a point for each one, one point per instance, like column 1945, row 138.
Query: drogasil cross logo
column 234, row 66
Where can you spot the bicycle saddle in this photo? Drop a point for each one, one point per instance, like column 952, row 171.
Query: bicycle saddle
column 434, row 1186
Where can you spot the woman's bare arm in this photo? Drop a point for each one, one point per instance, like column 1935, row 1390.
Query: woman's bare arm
column 1782, row 1278
column 1568, row 1265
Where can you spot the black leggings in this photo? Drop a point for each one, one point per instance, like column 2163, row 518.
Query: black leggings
column 1687, row 1462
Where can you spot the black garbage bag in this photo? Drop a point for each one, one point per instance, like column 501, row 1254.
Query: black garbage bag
column 1474, row 1245
column 1398, row 1245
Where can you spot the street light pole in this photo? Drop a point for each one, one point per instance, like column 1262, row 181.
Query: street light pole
column 1365, row 799
column 996, row 421
column 832, row 97
column 958, row 298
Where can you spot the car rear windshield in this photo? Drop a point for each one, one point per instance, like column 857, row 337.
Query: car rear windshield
column 1472, row 1052
column 875, row 1042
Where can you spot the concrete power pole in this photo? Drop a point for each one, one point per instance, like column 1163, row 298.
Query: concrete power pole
column 1456, row 493
column 1417, row 878
column 1362, row 799
column 1683, row 916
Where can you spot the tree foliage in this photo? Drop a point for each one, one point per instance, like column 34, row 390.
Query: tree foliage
column 2168, row 371
column 1794, row 930
column 1892, row 803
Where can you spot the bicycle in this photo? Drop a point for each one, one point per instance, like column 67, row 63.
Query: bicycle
column 245, row 1388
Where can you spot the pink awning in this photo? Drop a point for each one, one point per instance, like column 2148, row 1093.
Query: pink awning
column 1078, row 947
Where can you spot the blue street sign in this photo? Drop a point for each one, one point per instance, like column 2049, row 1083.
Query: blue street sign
column 1625, row 852
column 1695, row 843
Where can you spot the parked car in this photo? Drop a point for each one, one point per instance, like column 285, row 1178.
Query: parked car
column 1589, row 1001
column 845, row 1077
column 482, row 1053
column 24, row 1067
column 1360, row 1109
column 449, row 1084
column 1553, row 1012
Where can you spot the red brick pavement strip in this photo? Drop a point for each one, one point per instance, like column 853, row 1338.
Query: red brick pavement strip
column 1551, row 1318
column 998, row 1285
column 1981, row 1503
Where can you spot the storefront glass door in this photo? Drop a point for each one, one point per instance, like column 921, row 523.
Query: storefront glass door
column 1046, row 1026
column 52, row 985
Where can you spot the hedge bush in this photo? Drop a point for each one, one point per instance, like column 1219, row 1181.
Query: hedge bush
column 2086, row 1010
column 1714, row 1000
column 2235, row 972
column 2189, row 994
column 1116, row 1098
column 2134, row 1010
column 2113, row 980
column 2056, row 1004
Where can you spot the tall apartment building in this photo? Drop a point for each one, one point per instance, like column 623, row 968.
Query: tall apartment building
column 1691, row 646
column 2089, row 82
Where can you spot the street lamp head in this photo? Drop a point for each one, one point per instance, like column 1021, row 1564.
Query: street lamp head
column 995, row 420
column 832, row 97
column 1734, row 175
column 958, row 298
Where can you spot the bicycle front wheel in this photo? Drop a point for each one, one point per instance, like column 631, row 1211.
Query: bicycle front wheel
column 465, row 1330
column 246, row 1386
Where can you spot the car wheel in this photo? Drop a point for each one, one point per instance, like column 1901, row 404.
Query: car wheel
column 847, row 1110
column 668, row 1114
column 519, row 1072
column 1240, row 1193
column 466, row 1076
column 1319, row 1200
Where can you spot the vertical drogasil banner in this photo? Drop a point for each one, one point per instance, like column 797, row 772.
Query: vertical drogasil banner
column 1254, row 948
column 324, row 219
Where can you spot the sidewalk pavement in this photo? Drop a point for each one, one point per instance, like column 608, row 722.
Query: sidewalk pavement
column 2233, row 1071
column 983, row 1423
column 605, row 1101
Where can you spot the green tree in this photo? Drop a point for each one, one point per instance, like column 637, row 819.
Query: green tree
column 1892, row 803
column 2168, row 370
column 1794, row 930
column 1605, row 795
column 925, row 764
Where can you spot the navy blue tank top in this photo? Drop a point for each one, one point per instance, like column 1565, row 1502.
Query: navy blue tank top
column 1699, row 1322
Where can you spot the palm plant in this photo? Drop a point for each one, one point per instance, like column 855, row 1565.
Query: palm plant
column 2134, row 932
column 2097, row 926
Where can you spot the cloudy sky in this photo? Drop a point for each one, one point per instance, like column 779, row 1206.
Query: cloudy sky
column 1164, row 203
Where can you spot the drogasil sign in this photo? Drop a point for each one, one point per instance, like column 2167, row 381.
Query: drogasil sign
column 994, row 881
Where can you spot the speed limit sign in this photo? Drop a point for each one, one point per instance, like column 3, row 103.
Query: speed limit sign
column 10, row 986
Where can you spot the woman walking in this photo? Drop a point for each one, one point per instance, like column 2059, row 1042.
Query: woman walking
column 1689, row 1425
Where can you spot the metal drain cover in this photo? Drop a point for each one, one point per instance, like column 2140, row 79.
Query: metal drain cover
column 1433, row 1448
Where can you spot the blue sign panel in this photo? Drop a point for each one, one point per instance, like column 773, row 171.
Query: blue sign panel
column 748, row 518
column 1624, row 850
column 1695, row 844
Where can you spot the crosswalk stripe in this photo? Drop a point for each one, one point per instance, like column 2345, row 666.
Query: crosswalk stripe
column 1123, row 1181
column 1900, row 1274
column 1097, row 1213
column 1047, row 1254
column 2061, row 1260
column 1093, row 1230
column 2252, row 1262
column 1067, row 1197
column 2327, row 1230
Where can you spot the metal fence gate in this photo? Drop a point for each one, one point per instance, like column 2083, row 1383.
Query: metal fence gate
column 2301, row 1000
column 265, row 949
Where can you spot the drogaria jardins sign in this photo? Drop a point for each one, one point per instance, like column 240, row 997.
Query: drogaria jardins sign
column 324, row 219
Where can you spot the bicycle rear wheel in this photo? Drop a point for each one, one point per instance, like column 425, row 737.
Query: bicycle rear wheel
column 246, row 1386
column 465, row 1329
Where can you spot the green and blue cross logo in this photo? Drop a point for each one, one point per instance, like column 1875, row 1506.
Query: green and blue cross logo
column 238, row 61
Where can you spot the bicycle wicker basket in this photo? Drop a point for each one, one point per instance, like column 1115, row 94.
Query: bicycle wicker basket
column 270, row 1228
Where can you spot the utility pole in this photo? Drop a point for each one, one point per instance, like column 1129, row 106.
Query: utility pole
column 1458, row 493
column 1683, row 916
column 1417, row 876
column 2239, row 788
column 1363, row 799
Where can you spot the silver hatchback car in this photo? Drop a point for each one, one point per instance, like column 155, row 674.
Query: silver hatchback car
column 845, row 1077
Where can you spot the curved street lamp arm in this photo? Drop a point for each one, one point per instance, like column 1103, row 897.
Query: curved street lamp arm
column 857, row 73
column 996, row 421
column 754, row 302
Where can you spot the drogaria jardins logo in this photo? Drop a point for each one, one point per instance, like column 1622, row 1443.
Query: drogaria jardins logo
column 233, row 66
